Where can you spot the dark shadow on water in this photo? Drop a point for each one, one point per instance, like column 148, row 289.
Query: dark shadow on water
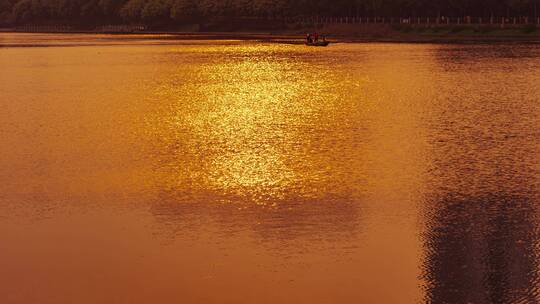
column 482, row 250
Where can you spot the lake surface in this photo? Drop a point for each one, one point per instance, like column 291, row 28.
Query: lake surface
column 144, row 169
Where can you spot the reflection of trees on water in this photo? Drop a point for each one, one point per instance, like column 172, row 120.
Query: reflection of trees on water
column 472, row 56
column 482, row 250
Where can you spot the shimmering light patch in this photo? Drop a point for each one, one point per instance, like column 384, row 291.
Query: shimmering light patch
column 247, row 121
column 246, row 113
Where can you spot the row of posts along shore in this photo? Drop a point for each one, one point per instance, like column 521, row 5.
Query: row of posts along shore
column 467, row 20
column 501, row 22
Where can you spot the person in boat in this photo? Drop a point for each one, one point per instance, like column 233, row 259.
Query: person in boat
column 308, row 38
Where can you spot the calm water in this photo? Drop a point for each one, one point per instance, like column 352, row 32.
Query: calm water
column 137, row 170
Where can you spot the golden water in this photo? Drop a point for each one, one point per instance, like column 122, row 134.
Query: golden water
column 150, row 170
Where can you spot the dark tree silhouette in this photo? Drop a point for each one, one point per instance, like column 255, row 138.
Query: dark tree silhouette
column 170, row 12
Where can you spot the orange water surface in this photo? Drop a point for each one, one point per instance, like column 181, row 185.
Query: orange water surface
column 148, row 170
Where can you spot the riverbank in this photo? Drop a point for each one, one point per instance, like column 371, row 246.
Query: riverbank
column 435, row 33
column 342, row 33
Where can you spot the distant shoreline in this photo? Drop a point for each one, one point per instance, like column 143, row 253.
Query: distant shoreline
column 335, row 36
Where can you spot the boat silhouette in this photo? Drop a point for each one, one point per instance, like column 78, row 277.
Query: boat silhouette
column 318, row 43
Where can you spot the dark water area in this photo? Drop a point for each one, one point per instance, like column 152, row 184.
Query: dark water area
column 164, row 171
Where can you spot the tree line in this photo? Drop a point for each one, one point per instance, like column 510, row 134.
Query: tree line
column 169, row 12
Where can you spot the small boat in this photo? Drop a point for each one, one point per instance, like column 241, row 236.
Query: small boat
column 318, row 43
